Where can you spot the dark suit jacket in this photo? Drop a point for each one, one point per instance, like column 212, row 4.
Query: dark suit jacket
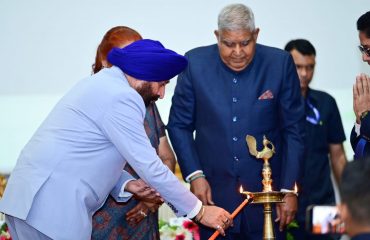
column 364, row 236
column 222, row 106
column 364, row 136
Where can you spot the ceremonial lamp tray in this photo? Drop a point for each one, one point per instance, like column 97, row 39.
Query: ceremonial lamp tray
column 266, row 197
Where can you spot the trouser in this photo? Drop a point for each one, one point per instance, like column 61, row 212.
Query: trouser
column 20, row 230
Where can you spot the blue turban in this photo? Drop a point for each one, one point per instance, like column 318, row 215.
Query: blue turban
column 148, row 60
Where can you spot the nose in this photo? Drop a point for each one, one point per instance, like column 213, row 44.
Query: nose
column 303, row 72
column 365, row 57
column 237, row 49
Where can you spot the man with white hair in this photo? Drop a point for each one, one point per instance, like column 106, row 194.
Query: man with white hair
column 228, row 90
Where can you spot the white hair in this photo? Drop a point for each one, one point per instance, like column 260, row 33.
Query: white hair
column 236, row 17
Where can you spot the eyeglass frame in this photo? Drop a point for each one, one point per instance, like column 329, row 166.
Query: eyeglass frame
column 364, row 50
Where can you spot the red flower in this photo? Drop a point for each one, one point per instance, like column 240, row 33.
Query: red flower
column 196, row 235
column 5, row 238
column 180, row 237
column 191, row 226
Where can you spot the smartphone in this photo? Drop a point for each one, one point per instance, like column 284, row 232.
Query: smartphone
column 324, row 219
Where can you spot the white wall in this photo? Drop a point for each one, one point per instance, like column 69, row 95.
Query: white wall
column 46, row 46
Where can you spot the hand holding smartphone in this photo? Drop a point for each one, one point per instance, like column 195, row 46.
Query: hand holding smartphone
column 324, row 219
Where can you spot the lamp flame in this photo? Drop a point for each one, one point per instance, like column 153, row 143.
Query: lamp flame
column 241, row 189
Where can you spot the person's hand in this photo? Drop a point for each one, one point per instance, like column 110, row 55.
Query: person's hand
column 153, row 207
column 143, row 191
column 216, row 218
column 361, row 95
column 201, row 189
column 137, row 214
column 286, row 211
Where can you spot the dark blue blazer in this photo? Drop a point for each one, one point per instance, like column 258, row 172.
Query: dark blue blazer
column 364, row 150
column 222, row 106
column 364, row 236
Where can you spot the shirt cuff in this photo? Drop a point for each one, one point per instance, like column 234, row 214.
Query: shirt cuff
column 288, row 191
column 195, row 210
column 357, row 129
column 192, row 174
column 123, row 193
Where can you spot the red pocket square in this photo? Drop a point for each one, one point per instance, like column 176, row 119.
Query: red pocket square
column 266, row 95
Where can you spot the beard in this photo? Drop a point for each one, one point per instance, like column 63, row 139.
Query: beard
column 146, row 92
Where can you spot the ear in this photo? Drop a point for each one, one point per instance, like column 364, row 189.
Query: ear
column 256, row 32
column 133, row 82
column 217, row 34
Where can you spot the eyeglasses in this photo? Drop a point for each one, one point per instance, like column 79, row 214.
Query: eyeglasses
column 364, row 50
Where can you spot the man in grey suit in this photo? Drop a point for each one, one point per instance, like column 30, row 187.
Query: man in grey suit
column 75, row 159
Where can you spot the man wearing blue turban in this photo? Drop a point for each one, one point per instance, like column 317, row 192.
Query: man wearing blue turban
column 74, row 160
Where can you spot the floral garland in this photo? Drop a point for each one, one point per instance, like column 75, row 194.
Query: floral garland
column 4, row 232
column 178, row 229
